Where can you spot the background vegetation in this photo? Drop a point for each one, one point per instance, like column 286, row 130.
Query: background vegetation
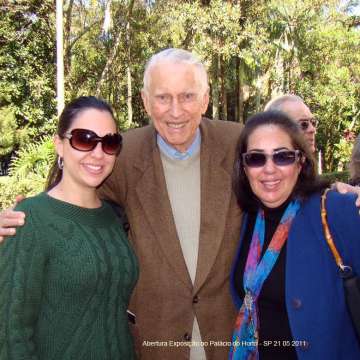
column 253, row 50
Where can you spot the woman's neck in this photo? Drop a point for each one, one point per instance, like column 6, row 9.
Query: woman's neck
column 76, row 195
column 275, row 214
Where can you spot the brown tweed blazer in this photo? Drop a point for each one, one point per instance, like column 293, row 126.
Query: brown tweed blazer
column 165, row 301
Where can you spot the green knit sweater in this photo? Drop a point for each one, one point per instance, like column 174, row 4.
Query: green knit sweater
column 65, row 282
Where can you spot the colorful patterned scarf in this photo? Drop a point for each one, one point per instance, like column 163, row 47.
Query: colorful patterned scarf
column 245, row 336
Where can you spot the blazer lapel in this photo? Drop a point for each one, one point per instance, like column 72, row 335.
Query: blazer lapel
column 152, row 193
column 215, row 200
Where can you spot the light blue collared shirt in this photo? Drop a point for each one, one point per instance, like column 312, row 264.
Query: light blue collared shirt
column 174, row 154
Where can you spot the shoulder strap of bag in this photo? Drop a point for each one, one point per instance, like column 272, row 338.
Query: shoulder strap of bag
column 328, row 236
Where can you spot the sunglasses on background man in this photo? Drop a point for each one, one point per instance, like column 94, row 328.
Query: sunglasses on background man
column 305, row 123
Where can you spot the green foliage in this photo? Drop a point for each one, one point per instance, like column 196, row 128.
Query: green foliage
column 342, row 176
column 27, row 72
column 28, row 171
column 330, row 85
column 342, row 153
column 7, row 130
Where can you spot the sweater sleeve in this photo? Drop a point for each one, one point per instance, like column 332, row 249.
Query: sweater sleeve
column 22, row 262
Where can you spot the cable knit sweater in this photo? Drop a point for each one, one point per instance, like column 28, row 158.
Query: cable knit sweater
column 66, row 279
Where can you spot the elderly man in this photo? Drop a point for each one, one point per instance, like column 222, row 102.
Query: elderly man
column 295, row 108
column 174, row 179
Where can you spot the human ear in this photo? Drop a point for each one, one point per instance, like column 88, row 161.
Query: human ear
column 205, row 102
column 59, row 145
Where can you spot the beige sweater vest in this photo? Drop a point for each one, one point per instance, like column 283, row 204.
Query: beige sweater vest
column 183, row 186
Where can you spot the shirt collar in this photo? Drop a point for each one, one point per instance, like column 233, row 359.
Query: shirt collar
column 174, row 154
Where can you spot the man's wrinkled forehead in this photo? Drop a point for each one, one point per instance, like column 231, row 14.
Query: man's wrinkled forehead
column 161, row 74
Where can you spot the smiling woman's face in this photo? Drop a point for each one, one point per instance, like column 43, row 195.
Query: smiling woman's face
column 272, row 184
column 87, row 169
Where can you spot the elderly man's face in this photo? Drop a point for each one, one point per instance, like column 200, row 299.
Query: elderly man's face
column 175, row 102
column 299, row 112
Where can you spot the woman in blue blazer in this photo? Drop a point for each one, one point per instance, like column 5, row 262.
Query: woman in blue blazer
column 284, row 281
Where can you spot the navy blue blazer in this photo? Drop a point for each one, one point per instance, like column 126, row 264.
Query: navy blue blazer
column 315, row 302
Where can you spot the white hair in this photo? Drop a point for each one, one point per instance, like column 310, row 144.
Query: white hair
column 278, row 102
column 177, row 56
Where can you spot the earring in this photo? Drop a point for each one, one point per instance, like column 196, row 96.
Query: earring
column 60, row 162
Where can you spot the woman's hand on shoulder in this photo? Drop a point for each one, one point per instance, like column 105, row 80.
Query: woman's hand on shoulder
column 343, row 188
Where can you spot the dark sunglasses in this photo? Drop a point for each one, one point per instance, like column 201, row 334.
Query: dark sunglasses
column 87, row 140
column 279, row 158
column 304, row 123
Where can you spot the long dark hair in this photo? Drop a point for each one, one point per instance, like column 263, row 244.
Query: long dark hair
column 67, row 117
column 308, row 181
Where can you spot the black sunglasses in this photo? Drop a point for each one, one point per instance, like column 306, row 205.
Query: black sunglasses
column 279, row 158
column 87, row 140
column 304, row 123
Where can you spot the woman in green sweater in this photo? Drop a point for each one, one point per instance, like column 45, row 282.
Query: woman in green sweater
column 67, row 276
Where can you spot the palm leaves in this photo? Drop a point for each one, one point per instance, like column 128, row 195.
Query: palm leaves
column 28, row 171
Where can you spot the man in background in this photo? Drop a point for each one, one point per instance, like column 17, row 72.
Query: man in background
column 297, row 110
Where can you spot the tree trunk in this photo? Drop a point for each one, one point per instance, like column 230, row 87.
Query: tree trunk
column 240, row 90
column 189, row 37
column 114, row 50
column 67, row 32
column 223, row 90
column 215, row 87
column 129, row 82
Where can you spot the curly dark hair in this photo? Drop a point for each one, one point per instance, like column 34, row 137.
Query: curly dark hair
column 308, row 181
